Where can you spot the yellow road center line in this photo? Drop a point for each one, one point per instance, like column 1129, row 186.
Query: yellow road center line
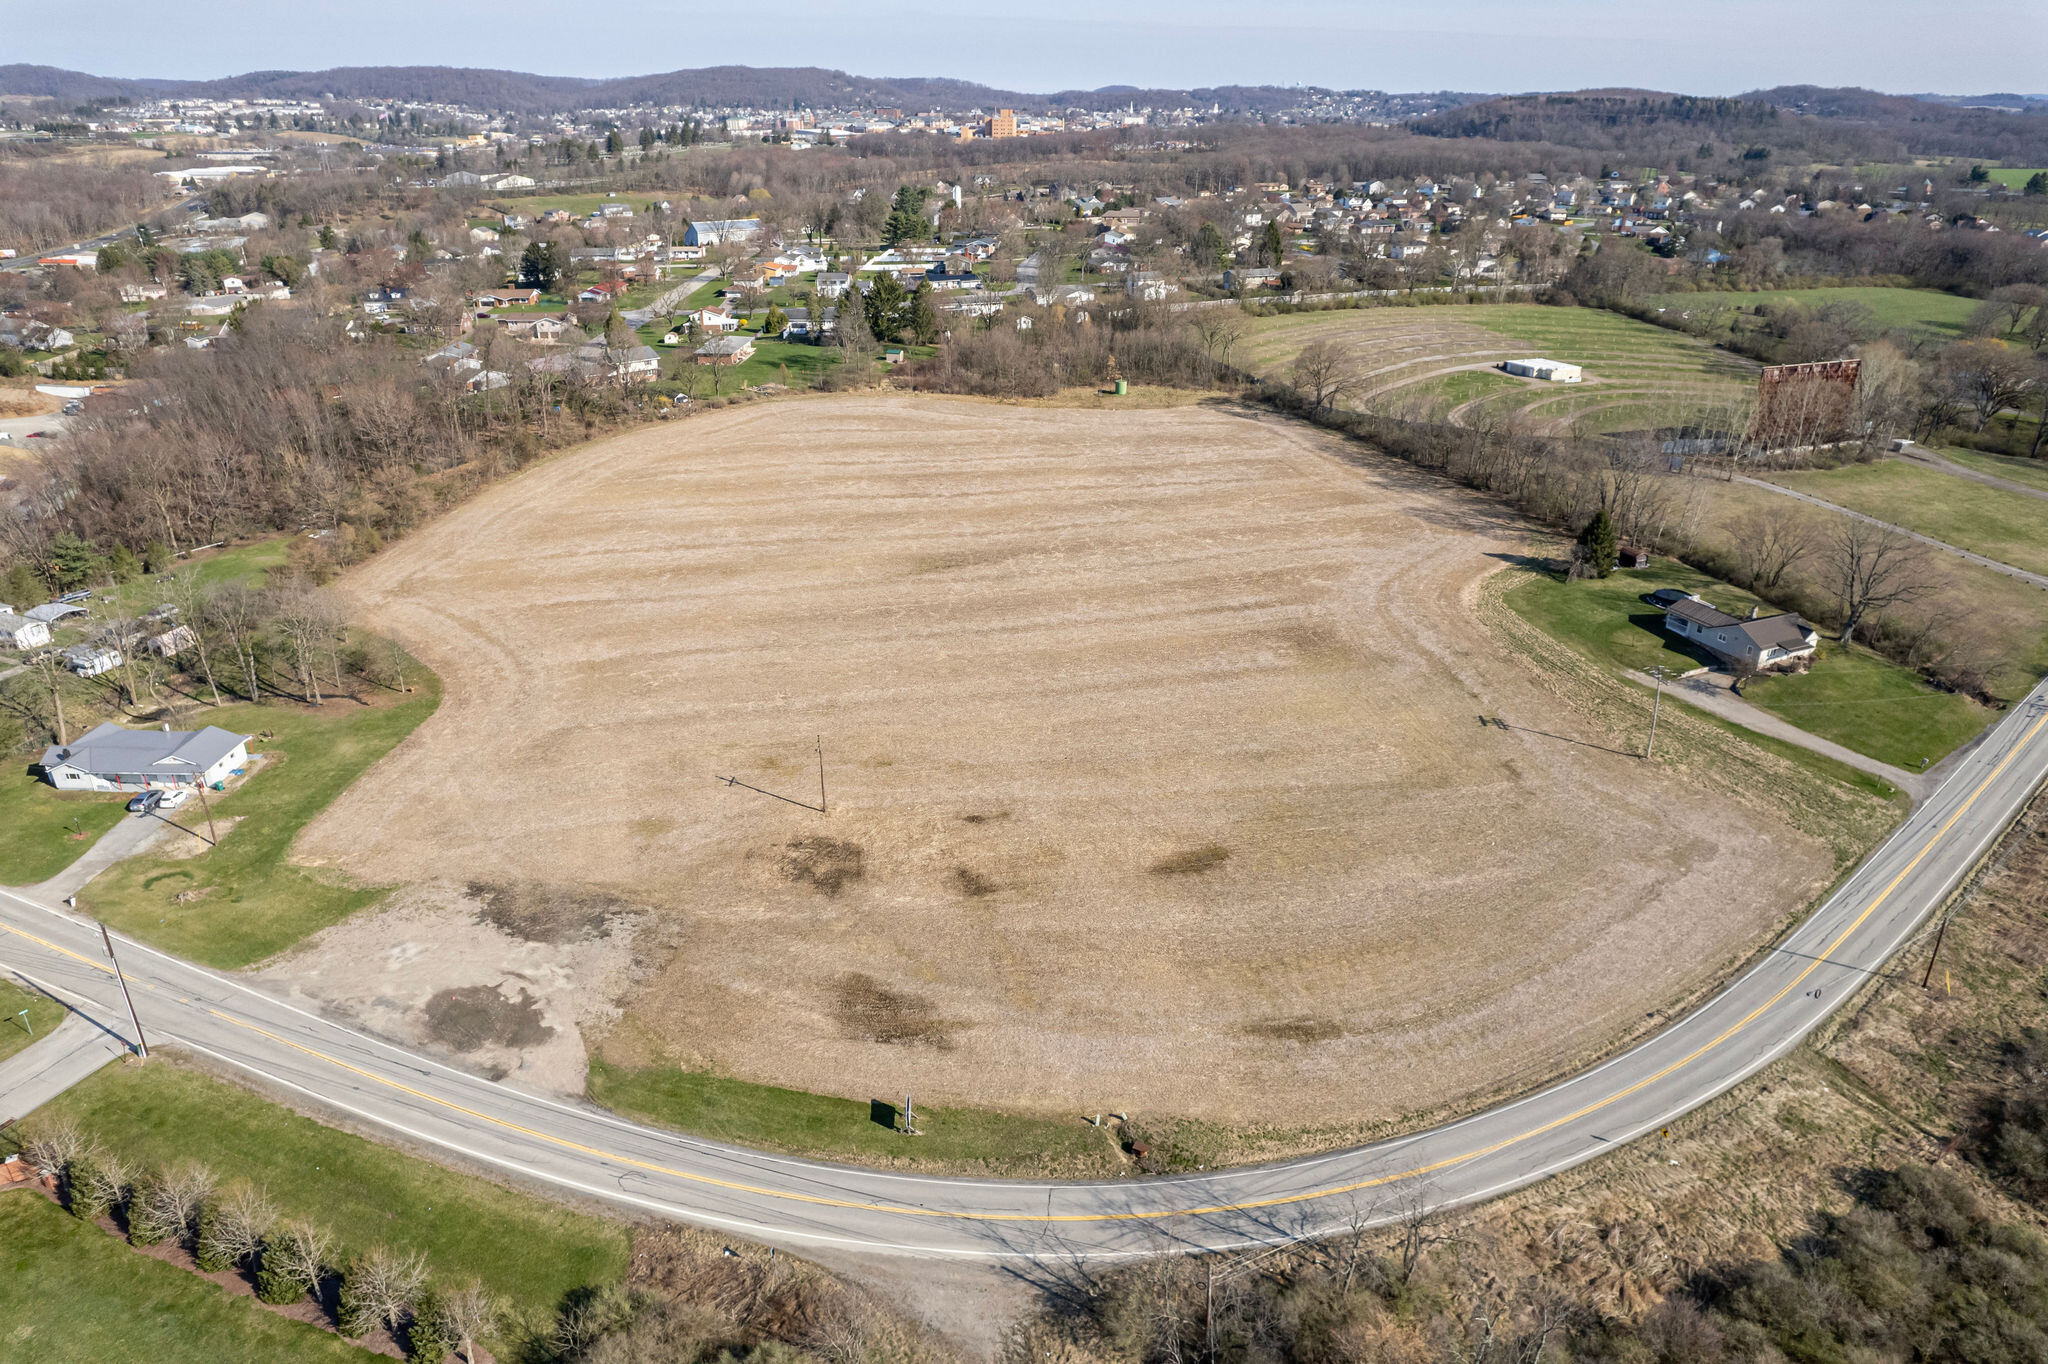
column 1140, row 1216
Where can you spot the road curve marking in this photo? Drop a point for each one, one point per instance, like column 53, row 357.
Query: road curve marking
column 1281, row 1200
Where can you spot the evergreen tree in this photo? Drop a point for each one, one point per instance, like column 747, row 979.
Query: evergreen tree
column 924, row 315
column 538, row 268
column 850, row 328
column 1272, row 250
column 613, row 143
column 74, row 561
column 885, row 307
column 2037, row 183
column 1598, row 544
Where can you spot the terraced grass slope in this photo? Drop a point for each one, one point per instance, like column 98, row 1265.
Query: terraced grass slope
column 1415, row 361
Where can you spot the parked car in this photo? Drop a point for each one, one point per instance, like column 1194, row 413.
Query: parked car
column 1663, row 597
column 73, row 408
column 146, row 803
column 173, row 799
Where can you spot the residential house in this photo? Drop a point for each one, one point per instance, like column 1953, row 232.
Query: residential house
column 22, row 632
column 1254, row 278
column 1148, row 285
column 534, row 327
column 110, row 758
column 726, row 350
column 142, row 293
column 604, row 291
column 714, row 320
column 634, row 364
column 1759, row 643
column 951, row 275
column 833, row 283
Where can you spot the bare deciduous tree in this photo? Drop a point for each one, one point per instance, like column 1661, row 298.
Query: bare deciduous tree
column 1770, row 542
column 166, row 1204
column 1323, row 373
column 379, row 1288
column 296, row 1253
column 1220, row 330
column 468, row 1312
column 1870, row 569
column 232, row 1230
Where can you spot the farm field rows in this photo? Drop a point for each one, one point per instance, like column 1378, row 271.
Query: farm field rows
column 1109, row 824
column 1414, row 360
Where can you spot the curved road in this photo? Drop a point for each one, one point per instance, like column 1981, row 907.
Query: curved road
column 1757, row 1018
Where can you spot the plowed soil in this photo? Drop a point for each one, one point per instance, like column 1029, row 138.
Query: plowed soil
column 1155, row 772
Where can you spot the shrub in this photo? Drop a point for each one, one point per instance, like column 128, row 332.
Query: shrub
column 293, row 1261
column 165, row 1206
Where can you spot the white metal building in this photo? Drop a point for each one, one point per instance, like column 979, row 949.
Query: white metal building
column 1556, row 371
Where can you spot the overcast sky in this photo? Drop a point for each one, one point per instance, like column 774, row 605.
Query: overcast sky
column 1705, row 47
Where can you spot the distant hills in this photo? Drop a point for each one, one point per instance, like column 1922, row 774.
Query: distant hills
column 714, row 86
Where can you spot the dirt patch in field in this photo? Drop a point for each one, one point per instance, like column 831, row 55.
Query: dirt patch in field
column 827, row 864
column 870, row 1010
column 468, row 1018
column 1056, row 648
column 505, row 978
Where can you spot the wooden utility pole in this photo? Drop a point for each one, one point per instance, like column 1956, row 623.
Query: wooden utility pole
column 141, row 1042
column 1660, row 672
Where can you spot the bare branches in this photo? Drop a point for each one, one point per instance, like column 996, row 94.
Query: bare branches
column 1871, row 569
column 1770, row 542
column 1324, row 373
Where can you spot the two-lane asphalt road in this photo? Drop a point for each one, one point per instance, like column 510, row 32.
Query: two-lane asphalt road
column 1756, row 1019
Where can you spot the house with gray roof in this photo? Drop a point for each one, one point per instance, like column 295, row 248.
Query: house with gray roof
column 110, row 758
column 1759, row 643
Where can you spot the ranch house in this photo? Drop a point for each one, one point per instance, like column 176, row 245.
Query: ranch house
column 1761, row 643
column 110, row 758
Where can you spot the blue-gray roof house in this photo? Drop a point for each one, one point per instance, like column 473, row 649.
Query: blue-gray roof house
column 110, row 758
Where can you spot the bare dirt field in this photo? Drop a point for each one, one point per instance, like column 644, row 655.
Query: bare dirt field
column 1155, row 773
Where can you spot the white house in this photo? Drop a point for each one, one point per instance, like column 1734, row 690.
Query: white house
column 1760, row 643
column 110, row 758
column 1148, row 285
column 22, row 632
column 1556, row 371
column 90, row 660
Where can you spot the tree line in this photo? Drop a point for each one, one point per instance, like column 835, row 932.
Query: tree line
column 233, row 1226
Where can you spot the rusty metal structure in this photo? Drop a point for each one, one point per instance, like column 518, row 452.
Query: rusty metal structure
column 1805, row 405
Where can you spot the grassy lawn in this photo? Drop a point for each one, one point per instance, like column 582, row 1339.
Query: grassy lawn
column 44, row 1014
column 1927, row 309
column 525, row 1249
column 1875, row 707
column 797, row 364
column 76, row 1295
column 36, row 826
column 1608, row 620
column 820, row 1126
column 1852, row 697
column 245, row 565
column 2032, row 472
column 254, row 901
column 1960, row 511
column 2013, row 177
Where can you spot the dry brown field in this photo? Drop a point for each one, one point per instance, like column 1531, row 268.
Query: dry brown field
column 1156, row 778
